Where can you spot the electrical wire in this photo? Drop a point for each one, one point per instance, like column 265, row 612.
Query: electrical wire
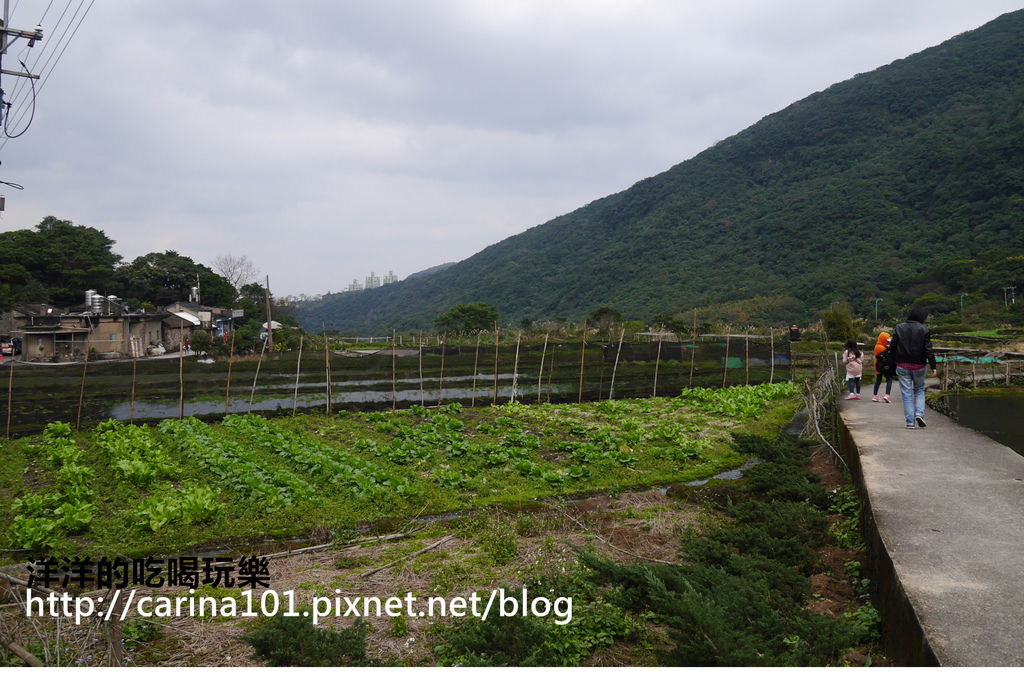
column 39, row 54
column 31, row 118
column 18, row 109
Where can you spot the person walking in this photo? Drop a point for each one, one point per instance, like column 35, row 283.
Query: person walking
column 853, row 359
column 911, row 346
column 884, row 368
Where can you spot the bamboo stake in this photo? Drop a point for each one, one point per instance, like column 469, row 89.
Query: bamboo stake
column 10, row 392
column 419, row 341
column 231, row 358
column 551, row 371
column 771, row 336
column 746, row 358
column 515, row 370
column 540, row 375
column 81, row 393
column 394, row 356
column 256, row 376
column 440, row 384
column 693, row 346
column 476, row 359
column 657, row 361
column 327, row 366
column 611, row 388
column 495, row 401
column 131, row 404
column 181, row 370
column 298, row 366
column 725, row 370
column 583, row 353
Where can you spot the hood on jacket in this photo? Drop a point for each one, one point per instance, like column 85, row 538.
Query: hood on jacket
column 883, row 343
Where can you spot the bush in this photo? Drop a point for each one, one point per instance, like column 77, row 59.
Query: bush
column 295, row 641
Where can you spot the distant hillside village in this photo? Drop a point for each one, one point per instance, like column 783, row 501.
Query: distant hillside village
column 110, row 329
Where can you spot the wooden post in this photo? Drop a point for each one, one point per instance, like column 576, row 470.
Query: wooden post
column 693, row 346
column 298, row 366
column 611, row 389
column 256, row 376
column 657, row 361
column 495, row 401
column 540, row 375
column 440, row 383
column 131, row 403
column 10, row 392
column 725, row 371
column 231, row 358
column 81, row 393
column 583, row 354
column 394, row 357
column 771, row 337
column 476, row 359
column 515, row 369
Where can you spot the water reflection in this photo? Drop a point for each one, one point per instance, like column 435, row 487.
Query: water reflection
column 997, row 417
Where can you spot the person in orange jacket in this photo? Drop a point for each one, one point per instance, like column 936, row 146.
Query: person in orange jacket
column 883, row 368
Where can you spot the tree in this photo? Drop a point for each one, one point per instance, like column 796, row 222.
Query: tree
column 166, row 277
column 838, row 323
column 466, row 318
column 63, row 259
column 238, row 270
column 200, row 341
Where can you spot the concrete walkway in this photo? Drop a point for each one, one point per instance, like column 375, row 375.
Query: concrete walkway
column 948, row 507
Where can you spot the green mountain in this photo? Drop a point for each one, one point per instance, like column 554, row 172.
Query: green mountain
column 897, row 183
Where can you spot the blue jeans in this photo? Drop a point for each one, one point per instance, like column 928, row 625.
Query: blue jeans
column 912, row 389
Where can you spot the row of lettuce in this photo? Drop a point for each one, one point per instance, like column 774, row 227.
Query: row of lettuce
column 186, row 472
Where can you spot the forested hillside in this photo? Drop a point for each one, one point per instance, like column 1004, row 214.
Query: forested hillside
column 898, row 183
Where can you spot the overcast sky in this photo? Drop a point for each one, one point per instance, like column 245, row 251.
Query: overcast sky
column 325, row 140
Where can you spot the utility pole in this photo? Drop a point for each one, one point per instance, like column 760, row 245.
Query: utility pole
column 8, row 36
column 270, row 323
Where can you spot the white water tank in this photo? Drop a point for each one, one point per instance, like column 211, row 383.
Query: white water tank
column 89, row 294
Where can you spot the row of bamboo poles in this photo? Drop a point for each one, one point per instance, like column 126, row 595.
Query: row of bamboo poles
column 394, row 355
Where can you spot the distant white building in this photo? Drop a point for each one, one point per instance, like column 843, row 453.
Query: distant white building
column 372, row 280
column 390, row 278
column 354, row 286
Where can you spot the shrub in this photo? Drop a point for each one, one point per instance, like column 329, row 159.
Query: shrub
column 295, row 641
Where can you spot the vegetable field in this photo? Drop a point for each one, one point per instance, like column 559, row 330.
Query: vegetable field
column 128, row 490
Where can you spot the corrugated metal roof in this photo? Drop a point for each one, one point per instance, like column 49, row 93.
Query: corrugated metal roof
column 187, row 317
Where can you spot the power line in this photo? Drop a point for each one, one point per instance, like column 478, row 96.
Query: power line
column 19, row 110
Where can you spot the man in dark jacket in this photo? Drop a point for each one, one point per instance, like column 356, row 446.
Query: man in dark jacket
column 912, row 349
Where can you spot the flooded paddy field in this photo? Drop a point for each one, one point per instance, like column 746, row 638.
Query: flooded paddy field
column 154, row 389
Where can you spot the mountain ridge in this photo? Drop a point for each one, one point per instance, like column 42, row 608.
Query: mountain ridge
column 856, row 192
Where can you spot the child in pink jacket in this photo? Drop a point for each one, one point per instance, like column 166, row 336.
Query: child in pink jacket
column 853, row 359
